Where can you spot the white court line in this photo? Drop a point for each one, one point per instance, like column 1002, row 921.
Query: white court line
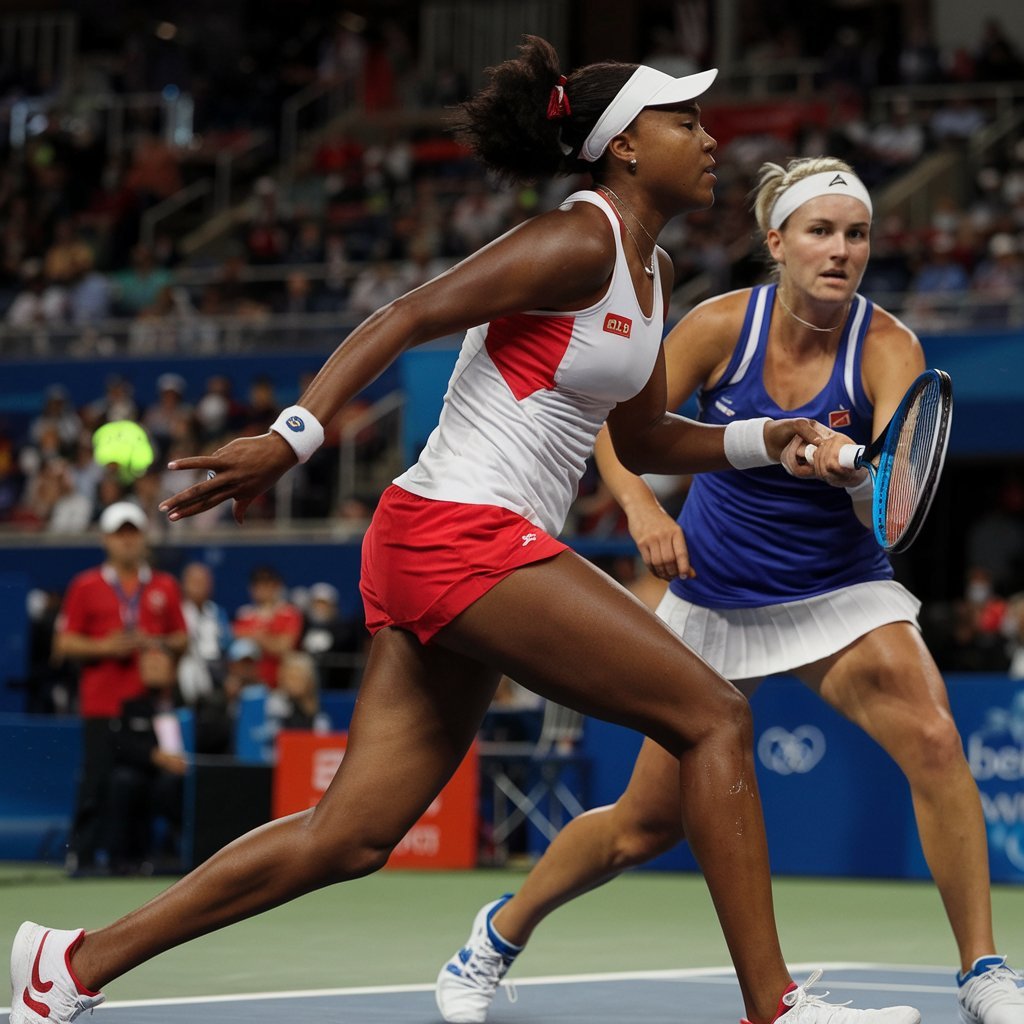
column 713, row 974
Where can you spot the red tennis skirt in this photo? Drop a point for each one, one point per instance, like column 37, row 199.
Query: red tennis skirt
column 426, row 561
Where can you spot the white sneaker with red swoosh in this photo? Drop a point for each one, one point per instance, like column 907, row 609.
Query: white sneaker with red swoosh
column 44, row 989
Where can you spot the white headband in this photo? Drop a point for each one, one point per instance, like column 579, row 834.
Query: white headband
column 647, row 87
column 826, row 183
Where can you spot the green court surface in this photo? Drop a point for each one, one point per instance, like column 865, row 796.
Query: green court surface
column 397, row 927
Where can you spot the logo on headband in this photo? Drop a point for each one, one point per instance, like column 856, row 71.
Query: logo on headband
column 837, row 180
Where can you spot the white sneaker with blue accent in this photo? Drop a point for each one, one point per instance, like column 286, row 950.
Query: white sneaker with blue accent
column 798, row 1006
column 469, row 981
column 991, row 993
column 44, row 989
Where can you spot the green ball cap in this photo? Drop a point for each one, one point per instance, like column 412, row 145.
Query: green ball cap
column 125, row 445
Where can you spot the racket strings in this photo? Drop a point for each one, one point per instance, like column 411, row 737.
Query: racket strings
column 912, row 461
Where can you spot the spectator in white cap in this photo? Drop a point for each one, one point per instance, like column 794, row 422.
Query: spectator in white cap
column 109, row 615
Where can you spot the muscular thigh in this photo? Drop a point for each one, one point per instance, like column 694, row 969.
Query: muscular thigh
column 565, row 630
column 885, row 681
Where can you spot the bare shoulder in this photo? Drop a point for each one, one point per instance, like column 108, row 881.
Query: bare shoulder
column 893, row 355
column 699, row 347
column 585, row 227
column 558, row 259
column 889, row 339
column 721, row 312
column 714, row 325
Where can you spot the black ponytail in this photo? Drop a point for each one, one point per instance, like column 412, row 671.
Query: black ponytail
column 507, row 126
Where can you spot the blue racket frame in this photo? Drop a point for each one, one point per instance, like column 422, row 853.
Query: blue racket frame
column 884, row 447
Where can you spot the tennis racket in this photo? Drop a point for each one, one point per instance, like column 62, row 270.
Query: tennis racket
column 910, row 453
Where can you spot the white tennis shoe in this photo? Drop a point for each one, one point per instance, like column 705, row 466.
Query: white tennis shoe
column 44, row 989
column 469, row 981
column 798, row 1006
column 991, row 993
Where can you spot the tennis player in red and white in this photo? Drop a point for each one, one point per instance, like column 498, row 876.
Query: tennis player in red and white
column 769, row 573
column 463, row 578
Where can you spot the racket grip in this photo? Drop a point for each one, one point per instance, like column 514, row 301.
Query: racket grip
column 848, row 454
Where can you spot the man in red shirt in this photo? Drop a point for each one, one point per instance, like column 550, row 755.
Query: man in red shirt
column 273, row 623
column 109, row 614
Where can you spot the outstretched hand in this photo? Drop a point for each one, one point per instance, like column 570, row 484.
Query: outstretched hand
column 786, row 440
column 242, row 470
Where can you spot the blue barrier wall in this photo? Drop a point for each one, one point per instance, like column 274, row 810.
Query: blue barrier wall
column 834, row 803
column 39, row 760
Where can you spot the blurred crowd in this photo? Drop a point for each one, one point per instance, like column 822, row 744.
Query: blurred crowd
column 361, row 218
column 50, row 481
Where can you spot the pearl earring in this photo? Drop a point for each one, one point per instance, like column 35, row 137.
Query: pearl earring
column 632, row 166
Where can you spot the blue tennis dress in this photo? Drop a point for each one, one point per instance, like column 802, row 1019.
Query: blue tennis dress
column 786, row 573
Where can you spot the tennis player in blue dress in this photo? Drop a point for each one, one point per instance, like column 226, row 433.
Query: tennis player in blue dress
column 768, row 573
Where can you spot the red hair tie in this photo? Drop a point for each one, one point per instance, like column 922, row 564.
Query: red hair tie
column 558, row 102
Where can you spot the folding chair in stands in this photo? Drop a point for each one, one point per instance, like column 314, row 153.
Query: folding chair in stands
column 538, row 784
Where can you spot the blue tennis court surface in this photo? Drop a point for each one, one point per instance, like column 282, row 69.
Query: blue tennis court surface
column 708, row 996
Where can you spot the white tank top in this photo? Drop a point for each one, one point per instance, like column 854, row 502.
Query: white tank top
column 529, row 393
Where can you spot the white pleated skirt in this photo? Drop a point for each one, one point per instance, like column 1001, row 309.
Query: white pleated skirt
column 749, row 643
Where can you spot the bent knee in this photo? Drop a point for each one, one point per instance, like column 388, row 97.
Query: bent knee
column 644, row 841
column 330, row 858
column 932, row 744
column 723, row 717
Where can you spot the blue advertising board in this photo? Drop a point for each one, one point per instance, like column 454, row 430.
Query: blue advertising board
column 990, row 715
column 834, row 802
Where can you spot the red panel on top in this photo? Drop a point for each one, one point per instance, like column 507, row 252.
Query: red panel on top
column 527, row 350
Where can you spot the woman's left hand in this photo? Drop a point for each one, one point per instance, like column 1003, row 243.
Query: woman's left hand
column 825, row 461
column 242, row 470
column 786, row 440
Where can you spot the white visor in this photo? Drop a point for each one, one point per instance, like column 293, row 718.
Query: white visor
column 647, row 87
column 826, row 183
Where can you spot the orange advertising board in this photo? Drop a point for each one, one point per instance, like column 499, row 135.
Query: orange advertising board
column 446, row 835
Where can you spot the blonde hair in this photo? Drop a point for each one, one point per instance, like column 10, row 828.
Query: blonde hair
column 773, row 180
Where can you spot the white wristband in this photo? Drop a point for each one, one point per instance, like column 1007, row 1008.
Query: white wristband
column 863, row 491
column 301, row 429
column 744, row 444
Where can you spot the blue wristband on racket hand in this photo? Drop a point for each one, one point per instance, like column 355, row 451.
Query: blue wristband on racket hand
column 744, row 444
column 301, row 429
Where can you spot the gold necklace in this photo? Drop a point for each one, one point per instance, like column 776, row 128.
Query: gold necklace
column 801, row 320
column 648, row 270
